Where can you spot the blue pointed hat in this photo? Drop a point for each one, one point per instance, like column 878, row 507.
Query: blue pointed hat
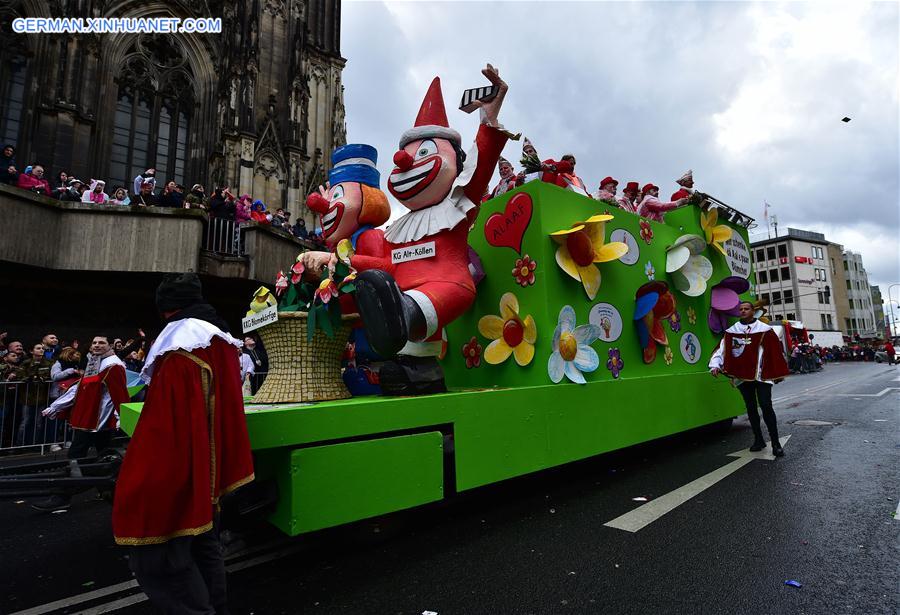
column 354, row 162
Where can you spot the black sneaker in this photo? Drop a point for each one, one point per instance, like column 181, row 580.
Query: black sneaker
column 54, row 502
column 757, row 446
column 777, row 450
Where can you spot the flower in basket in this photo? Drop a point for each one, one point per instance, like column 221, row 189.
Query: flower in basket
column 296, row 272
column 326, row 291
column 315, row 298
column 281, row 284
column 511, row 334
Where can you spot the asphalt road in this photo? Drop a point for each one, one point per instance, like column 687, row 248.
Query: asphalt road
column 823, row 516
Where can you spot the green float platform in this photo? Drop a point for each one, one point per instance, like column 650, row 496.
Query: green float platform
column 341, row 461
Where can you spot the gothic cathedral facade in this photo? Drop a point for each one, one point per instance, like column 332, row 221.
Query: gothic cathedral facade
column 257, row 108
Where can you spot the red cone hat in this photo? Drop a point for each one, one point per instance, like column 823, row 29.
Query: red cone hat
column 432, row 119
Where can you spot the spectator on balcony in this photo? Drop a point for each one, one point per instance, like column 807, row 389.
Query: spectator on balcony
column 51, row 346
column 242, row 209
column 34, row 181
column 170, row 196
column 35, row 373
column 300, row 229
column 8, row 173
column 196, row 199
column 221, row 204
column 258, row 212
column 73, row 193
column 147, row 176
column 120, row 196
column 146, row 198
column 95, row 194
column 61, row 186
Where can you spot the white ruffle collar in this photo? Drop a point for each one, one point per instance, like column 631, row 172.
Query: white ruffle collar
column 185, row 334
column 109, row 362
column 739, row 328
column 444, row 215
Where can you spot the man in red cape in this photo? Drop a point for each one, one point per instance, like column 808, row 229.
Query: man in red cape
column 752, row 355
column 189, row 449
column 92, row 408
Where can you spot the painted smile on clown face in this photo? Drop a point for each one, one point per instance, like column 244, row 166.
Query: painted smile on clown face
column 424, row 172
column 331, row 219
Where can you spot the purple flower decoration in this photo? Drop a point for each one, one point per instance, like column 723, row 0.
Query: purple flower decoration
column 675, row 321
column 615, row 363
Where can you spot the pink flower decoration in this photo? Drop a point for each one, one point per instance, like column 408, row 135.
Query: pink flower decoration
column 646, row 231
column 281, row 283
column 326, row 291
column 472, row 352
column 297, row 272
column 523, row 272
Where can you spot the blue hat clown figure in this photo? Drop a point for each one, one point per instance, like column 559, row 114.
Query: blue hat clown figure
column 418, row 280
column 352, row 202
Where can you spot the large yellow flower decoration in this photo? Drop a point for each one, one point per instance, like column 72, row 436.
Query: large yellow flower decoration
column 715, row 233
column 511, row 334
column 583, row 245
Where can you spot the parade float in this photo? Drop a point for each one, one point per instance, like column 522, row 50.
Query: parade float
column 589, row 331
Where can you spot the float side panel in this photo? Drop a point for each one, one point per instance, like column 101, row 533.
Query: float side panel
column 341, row 483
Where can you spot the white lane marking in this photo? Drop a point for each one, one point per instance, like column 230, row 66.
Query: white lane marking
column 115, row 605
column 59, row 604
column 858, row 395
column 811, row 390
column 644, row 515
column 897, row 514
column 119, row 587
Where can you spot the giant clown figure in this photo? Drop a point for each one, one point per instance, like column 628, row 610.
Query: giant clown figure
column 418, row 280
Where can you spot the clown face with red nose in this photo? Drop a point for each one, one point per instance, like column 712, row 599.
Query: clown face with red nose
column 421, row 280
column 350, row 206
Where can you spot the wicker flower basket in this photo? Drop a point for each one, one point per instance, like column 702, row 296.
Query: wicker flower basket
column 301, row 370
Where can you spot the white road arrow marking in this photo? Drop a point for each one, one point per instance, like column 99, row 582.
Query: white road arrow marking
column 646, row 514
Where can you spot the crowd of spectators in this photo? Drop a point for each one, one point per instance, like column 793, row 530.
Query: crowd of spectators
column 144, row 193
column 34, row 375
column 806, row 358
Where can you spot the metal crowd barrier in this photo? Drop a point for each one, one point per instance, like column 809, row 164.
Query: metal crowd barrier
column 223, row 236
column 22, row 427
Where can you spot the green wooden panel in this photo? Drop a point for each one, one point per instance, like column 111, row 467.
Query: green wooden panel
column 341, row 483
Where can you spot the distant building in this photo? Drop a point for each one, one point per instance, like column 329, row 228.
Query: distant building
column 793, row 275
column 878, row 308
column 862, row 314
column 839, row 290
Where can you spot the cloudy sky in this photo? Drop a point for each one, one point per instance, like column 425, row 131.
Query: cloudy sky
column 748, row 95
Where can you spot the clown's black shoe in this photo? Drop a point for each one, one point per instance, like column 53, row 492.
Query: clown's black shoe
column 409, row 375
column 391, row 318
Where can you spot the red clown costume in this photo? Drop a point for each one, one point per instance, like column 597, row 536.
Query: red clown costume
column 426, row 251
column 93, row 403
